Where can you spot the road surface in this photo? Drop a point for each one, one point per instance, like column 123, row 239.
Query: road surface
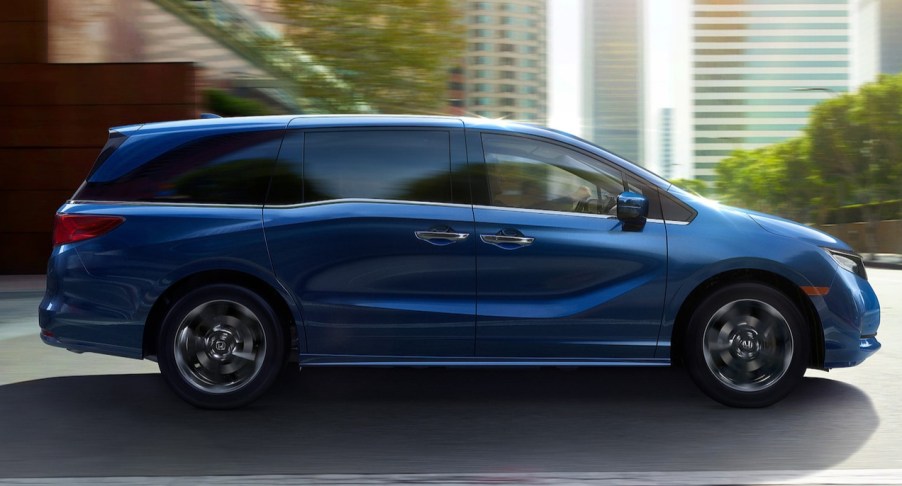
column 92, row 419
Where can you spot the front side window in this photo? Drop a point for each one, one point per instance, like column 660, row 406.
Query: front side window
column 406, row 165
column 531, row 174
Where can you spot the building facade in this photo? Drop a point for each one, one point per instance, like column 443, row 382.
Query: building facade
column 613, row 93
column 666, row 148
column 890, row 19
column 505, row 66
column 758, row 66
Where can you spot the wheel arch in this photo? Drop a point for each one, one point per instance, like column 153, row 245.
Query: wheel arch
column 771, row 279
column 278, row 302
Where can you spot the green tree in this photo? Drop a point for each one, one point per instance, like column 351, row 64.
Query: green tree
column 778, row 179
column 745, row 179
column 850, row 154
column 696, row 186
column 394, row 55
column 225, row 104
column 856, row 143
column 797, row 181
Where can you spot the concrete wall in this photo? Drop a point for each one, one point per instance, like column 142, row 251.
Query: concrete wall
column 55, row 121
column 887, row 235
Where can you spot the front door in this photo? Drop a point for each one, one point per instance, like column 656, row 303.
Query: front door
column 558, row 275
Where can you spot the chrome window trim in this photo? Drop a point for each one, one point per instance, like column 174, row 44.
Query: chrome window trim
column 548, row 211
column 365, row 201
column 545, row 211
column 156, row 203
column 359, row 201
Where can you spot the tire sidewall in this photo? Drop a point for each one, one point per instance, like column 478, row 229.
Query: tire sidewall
column 259, row 383
column 694, row 349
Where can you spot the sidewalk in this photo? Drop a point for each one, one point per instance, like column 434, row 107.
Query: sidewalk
column 882, row 260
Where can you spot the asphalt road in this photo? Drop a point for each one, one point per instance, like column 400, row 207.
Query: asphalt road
column 64, row 415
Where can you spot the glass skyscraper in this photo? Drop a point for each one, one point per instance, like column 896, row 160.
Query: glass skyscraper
column 613, row 88
column 758, row 66
column 890, row 36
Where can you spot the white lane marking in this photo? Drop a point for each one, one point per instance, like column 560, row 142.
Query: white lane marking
column 676, row 478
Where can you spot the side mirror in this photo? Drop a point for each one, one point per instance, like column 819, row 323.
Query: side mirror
column 632, row 210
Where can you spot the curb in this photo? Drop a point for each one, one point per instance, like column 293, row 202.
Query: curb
column 22, row 283
column 882, row 260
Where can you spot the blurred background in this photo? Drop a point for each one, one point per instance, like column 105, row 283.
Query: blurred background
column 792, row 107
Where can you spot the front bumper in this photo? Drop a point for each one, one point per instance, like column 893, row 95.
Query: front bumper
column 850, row 315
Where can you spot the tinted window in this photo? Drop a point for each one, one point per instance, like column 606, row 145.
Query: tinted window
column 674, row 210
column 650, row 192
column 231, row 168
column 116, row 139
column 531, row 174
column 410, row 165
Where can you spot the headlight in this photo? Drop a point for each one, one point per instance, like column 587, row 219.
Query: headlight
column 848, row 261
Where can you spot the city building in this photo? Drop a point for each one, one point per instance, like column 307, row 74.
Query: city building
column 56, row 115
column 890, row 19
column 758, row 66
column 505, row 66
column 666, row 149
column 613, row 65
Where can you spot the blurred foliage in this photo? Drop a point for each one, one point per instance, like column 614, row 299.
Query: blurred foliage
column 695, row 186
column 778, row 179
column 853, row 213
column 395, row 55
column 850, row 154
column 224, row 104
column 856, row 144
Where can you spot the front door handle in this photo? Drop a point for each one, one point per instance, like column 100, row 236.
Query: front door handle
column 441, row 236
column 507, row 241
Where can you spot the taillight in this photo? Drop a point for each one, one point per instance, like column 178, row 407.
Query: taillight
column 69, row 228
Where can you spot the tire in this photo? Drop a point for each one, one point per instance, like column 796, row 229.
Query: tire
column 747, row 345
column 220, row 346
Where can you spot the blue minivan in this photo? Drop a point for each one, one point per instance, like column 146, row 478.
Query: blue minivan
column 224, row 248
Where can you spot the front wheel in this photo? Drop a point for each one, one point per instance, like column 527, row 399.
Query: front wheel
column 746, row 345
column 220, row 346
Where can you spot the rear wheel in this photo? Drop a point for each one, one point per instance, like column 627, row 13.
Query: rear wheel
column 220, row 346
column 747, row 345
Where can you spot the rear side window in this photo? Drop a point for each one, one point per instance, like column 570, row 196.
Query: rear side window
column 116, row 139
column 231, row 168
column 406, row 165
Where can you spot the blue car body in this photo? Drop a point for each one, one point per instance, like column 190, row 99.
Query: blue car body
column 358, row 286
